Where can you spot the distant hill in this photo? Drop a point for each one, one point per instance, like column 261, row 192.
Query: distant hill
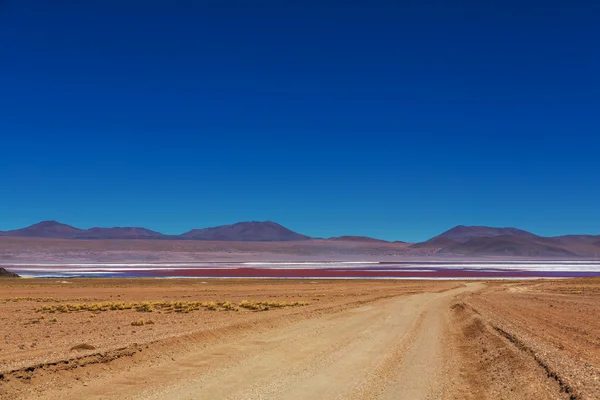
column 7, row 274
column 357, row 239
column 462, row 233
column 491, row 241
column 48, row 229
column 507, row 245
column 119, row 233
column 580, row 244
column 461, row 240
column 246, row 232
column 242, row 231
column 434, row 243
column 57, row 230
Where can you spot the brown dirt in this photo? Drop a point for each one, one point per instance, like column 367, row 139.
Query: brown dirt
column 43, row 341
column 536, row 335
column 355, row 340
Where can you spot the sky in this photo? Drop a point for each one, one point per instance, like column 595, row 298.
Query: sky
column 396, row 120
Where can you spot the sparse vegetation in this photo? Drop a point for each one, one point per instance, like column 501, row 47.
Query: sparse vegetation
column 144, row 307
column 229, row 306
column 265, row 305
column 142, row 322
column 83, row 346
column 41, row 299
column 168, row 306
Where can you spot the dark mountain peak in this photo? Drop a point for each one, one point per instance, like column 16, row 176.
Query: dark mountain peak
column 251, row 231
column 7, row 274
column 255, row 224
column 52, row 229
column 490, row 241
column 463, row 232
column 49, row 224
column 251, row 223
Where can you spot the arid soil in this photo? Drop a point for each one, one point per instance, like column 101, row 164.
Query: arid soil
column 297, row 339
column 537, row 329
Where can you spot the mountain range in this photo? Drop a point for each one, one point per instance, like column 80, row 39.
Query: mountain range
column 460, row 240
column 242, row 231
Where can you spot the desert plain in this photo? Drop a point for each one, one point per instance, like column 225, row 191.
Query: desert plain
column 299, row 339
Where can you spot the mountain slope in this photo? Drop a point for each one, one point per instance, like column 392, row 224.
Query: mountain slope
column 491, row 241
column 246, row 232
column 49, row 229
column 120, row 233
column 7, row 274
column 462, row 233
column 243, row 231
column 508, row 245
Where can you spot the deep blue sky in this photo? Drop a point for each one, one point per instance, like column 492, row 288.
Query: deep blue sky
column 393, row 119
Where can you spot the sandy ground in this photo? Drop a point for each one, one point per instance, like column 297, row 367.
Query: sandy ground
column 551, row 327
column 331, row 340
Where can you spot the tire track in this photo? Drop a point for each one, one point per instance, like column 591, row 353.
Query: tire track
column 389, row 349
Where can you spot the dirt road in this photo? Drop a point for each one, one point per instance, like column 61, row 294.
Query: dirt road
column 391, row 349
column 354, row 340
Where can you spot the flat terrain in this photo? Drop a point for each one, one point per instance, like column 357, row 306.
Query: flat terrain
column 21, row 249
column 298, row 339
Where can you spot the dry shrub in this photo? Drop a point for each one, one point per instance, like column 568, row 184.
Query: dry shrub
column 83, row 346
